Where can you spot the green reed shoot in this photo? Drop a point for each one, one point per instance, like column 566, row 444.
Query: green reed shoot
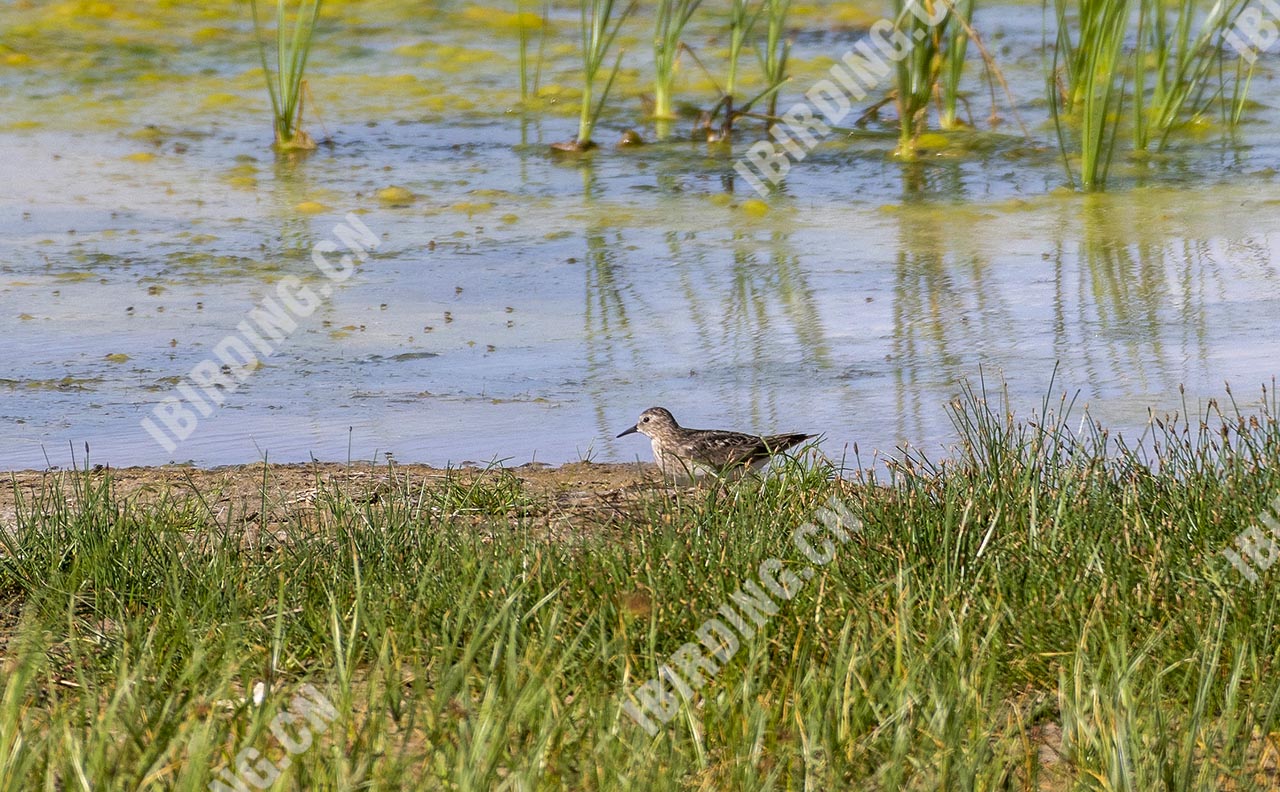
column 527, row 20
column 673, row 15
column 285, row 82
column 1087, row 112
column 952, row 67
column 1233, row 108
column 600, row 25
column 776, row 49
column 742, row 19
column 1178, row 62
column 523, row 32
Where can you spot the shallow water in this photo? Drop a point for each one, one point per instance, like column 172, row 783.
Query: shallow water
column 528, row 307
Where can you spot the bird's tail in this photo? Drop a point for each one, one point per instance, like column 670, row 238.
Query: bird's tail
column 781, row 442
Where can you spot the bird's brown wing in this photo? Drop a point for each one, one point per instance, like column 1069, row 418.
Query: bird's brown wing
column 729, row 449
column 721, row 449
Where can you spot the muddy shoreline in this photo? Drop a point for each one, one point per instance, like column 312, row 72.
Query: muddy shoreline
column 242, row 493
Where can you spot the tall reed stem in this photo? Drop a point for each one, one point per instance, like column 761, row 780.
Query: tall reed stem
column 741, row 20
column 776, row 49
column 672, row 17
column 953, row 63
column 1087, row 112
column 600, row 26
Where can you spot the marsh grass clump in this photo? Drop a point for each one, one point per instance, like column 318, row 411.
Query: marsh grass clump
column 495, row 491
column 285, row 82
column 1044, row 608
column 1161, row 69
column 936, row 33
column 1087, row 109
column 1173, row 62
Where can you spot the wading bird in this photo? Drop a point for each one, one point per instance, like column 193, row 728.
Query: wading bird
column 689, row 453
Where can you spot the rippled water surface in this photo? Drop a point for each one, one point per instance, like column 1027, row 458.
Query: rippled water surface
column 524, row 306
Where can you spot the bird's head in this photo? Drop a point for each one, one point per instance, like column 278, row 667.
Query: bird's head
column 652, row 422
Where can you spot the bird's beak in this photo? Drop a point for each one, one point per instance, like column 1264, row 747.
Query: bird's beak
column 629, row 431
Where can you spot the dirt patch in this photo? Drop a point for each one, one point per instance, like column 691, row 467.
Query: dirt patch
column 262, row 496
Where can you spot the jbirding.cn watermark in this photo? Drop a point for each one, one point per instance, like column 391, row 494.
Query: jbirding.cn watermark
column 694, row 664
column 1261, row 546
column 295, row 728
column 826, row 104
column 209, row 382
column 1255, row 30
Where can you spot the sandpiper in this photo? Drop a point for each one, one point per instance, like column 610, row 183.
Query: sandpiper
column 689, row 453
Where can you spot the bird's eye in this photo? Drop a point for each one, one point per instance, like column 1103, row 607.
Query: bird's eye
column 645, row 419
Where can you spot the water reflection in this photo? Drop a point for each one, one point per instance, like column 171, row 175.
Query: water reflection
column 633, row 283
column 932, row 180
column 798, row 299
column 610, row 345
column 1133, row 301
column 945, row 305
column 719, row 313
column 292, row 188
column 768, row 298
